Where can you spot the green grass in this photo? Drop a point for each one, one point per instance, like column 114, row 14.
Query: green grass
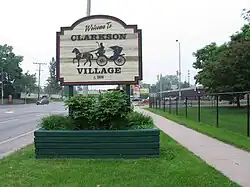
column 230, row 118
column 56, row 99
column 176, row 168
column 222, row 134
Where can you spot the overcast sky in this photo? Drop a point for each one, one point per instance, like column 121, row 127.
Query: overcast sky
column 30, row 27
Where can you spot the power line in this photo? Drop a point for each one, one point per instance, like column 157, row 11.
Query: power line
column 39, row 76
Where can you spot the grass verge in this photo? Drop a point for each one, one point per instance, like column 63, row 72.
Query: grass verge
column 231, row 118
column 222, row 134
column 176, row 167
column 56, row 100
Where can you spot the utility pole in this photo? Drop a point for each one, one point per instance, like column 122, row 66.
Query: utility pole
column 39, row 77
column 85, row 87
column 25, row 91
column 179, row 71
column 188, row 78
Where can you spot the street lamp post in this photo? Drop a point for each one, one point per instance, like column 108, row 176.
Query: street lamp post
column 2, row 85
column 2, row 77
column 179, row 71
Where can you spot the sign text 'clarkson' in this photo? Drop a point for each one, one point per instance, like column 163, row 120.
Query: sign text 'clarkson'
column 99, row 37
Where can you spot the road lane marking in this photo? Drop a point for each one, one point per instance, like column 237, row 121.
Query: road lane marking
column 9, row 112
column 40, row 115
column 8, row 121
column 59, row 111
column 19, row 136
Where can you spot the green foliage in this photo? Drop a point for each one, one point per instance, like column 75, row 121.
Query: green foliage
column 107, row 111
column 31, row 100
column 185, row 84
column 246, row 15
column 110, row 110
column 10, row 63
column 53, row 86
column 15, row 81
column 57, row 122
column 138, row 120
column 226, row 68
column 167, row 81
column 83, row 110
column 27, row 82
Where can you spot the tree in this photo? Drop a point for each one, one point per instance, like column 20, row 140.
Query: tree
column 246, row 15
column 10, row 64
column 27, row 82
column 53, row 86
column 167, row 81
column 144, row 85
column 153, row 88
column 225, row 68
column 185, row 84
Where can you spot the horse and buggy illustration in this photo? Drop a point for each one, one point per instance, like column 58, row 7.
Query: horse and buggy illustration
column 101, row 59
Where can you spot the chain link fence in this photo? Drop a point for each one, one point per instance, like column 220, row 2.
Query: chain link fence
column 223, row 110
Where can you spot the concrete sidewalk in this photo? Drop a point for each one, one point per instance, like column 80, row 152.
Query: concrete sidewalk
column 232, row 162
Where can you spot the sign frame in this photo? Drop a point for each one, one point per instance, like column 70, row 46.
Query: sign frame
column 113, row 82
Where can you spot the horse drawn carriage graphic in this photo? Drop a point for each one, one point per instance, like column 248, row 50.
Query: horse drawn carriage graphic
column 101, row 58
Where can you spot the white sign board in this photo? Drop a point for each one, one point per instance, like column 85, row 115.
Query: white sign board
column 98, row 50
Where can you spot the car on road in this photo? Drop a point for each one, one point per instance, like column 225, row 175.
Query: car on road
column 43, row 101
column 136, row 99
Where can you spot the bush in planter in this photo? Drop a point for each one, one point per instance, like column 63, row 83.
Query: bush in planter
column 107, row 111
column 133, row 120
column 57, row 122
column 138, row 120
column 111, row 110
column 83, row 111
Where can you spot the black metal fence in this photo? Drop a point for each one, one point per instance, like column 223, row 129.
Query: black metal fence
column 226, row 110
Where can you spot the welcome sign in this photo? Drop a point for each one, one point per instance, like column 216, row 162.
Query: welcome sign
column 98, row 50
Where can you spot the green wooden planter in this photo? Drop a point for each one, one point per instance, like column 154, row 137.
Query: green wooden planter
column 97, row 144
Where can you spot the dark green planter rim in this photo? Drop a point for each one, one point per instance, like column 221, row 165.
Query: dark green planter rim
column 101, row 131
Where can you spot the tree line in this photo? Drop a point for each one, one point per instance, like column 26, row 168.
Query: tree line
column 14, row 80
column 167, row 82
column 226, row 67
column 221, row 67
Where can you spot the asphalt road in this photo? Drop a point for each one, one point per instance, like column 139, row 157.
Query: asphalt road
column 18, row 122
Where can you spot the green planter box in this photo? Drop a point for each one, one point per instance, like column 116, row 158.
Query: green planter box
column 97, row 144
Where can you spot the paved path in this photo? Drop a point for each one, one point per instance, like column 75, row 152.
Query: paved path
column 18, row 122
column 232, row 162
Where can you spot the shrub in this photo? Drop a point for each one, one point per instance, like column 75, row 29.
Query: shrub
column 138, row 120
column 57, row 122
column 111, row 110
column 83, row 110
